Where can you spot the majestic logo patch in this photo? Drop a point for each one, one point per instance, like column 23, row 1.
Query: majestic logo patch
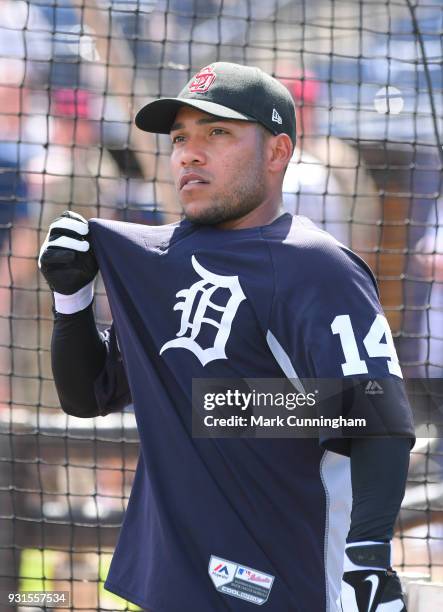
column 276, row 117
column 195, row 305
column 221, row 570
column 240, row 581
column 373, row 388
column 203, row 80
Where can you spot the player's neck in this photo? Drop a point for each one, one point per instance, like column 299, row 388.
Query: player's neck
column 264, row 214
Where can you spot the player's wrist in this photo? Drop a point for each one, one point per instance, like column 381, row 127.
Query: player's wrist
column 70, row 304
column 367, row 555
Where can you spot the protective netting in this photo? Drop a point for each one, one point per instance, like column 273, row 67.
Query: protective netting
column 366, row 77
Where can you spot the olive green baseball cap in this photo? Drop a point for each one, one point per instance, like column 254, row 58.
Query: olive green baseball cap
column 229, row 91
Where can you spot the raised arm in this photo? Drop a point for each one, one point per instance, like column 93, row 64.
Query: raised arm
column 88, row 371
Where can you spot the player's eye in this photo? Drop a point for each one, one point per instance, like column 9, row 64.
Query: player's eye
column 177, row 139
column 216, row 131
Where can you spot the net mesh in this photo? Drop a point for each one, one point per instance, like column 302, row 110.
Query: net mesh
column 366, row 78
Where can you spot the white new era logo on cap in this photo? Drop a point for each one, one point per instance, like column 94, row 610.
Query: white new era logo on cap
column 276, row 117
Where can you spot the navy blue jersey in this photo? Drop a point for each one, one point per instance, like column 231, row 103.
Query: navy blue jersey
column 227, row 524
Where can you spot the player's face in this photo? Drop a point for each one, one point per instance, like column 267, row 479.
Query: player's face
column 218, row 166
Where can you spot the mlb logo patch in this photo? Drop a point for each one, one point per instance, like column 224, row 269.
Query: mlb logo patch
column 203, row 80
column 239, row 581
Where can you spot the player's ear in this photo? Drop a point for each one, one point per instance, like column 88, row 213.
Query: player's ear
column 280, row 152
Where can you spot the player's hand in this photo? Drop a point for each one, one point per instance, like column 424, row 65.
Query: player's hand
column 66, row 258
column 370, row 590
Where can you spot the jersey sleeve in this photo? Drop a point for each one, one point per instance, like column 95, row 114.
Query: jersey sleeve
column 328, row 327
column 111, row 387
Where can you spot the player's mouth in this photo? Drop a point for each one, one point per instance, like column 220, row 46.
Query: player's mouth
column 191, row 180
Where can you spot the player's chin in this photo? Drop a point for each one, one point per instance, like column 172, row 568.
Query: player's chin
column 201, row 212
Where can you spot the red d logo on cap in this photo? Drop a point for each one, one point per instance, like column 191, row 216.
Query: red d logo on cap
column 202, row 80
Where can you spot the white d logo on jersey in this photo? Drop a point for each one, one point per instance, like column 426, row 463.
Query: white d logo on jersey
column 196, row 300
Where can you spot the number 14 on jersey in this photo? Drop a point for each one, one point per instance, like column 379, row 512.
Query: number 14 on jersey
column 342, row 325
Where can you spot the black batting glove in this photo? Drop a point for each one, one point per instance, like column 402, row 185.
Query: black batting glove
column 370, row 590
column 66, row 257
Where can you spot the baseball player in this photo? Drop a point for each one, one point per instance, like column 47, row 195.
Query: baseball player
column 238, row 289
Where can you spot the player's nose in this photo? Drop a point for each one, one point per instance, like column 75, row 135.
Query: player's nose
column 192, row 153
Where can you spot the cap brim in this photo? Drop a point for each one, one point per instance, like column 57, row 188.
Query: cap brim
column 158, row 116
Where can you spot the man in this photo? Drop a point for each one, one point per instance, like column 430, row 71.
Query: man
column 235, row 290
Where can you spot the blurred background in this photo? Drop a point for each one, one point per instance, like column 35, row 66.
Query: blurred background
column 367, row 81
